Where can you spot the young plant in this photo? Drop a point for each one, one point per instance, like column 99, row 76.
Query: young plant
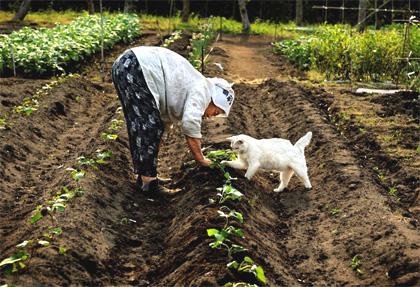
column 2, row 123
column 239, row 284
column 221, row 239
column 248, row 265
column 115, row 124
column 355, row 264
column 109, row 136
column 230, row 214
column 228, row 192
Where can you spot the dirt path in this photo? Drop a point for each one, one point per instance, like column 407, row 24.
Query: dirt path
column 116, row 237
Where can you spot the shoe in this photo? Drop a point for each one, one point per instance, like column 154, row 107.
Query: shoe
column 139, row 183
column 156, row 191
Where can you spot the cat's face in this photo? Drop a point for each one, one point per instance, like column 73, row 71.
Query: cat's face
column 238, row 144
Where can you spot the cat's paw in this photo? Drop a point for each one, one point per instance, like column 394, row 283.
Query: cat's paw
column 224, row 162
column 278, row 189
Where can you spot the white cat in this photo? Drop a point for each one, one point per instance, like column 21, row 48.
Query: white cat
column 273, row 155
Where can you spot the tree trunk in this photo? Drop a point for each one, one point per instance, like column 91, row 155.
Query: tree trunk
column 90, row 6
column 128, row 6
column 23, row 10
column 299, row 12
column 246, row 26
column 363, row 5
column 185, row 10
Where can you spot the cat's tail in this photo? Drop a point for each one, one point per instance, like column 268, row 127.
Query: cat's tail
column 303, row 142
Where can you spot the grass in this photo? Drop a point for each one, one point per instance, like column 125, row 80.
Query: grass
column 45, row 18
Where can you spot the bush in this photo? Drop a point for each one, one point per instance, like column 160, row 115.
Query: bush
column 47, row 51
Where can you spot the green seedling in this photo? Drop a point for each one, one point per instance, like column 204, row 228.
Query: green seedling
column 239, row 284
column 393, row 191
column 28, row 107
column 84, row 161
column 77, row 174
column 102, row 156
column 2, row 123
column 228, row 192
column 230, row 214
column 219, row 155
column 335, row 211
column 16, row 261
column 115, row 124
column 355, row 264
column 109, row 136
column 62, row 250
column 248, row 265
column 52, row 231
column 221, row 239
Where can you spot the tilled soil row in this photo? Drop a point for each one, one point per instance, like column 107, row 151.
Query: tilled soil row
column 116, row 237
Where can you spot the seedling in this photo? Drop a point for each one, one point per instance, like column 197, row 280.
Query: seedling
column 230, row 214
column 355, row 264
column 28, row 107
column 248, row 265
column 228, row 192
column 335, row 211
column 78, row 174
column 102, row 156
column 239, row 284
column 393, row 191
column 62, row 250
column 115, row 124
column 109, row 136
column 2, row 123
column 221, row 239
column 83, row 161
column 16, row 261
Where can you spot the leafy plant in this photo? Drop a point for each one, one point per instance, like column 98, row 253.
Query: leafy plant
column 50, row 50
column 109, row 136
column 239, row 284
column 2, row 123
column 248, row 265
column 116, row 124
column 228, row 192
column 335, row 211
column 355, row 264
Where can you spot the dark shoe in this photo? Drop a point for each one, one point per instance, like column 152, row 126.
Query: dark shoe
column 156, row 191
column 139, row 183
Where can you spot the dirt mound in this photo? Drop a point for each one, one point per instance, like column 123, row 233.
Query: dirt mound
column 400, row 103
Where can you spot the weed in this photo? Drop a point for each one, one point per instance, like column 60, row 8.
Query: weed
column 115, row 124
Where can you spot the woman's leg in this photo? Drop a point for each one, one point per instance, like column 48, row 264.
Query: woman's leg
column 144, row 125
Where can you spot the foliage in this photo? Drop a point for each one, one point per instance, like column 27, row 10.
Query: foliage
column 46, row 51
column 199, row 42
column 248, row 265
column 342, row 53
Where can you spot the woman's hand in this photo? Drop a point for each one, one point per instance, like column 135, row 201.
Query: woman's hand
column 204, row 162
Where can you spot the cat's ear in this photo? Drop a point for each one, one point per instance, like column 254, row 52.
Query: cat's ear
column 231, row 139
column 231, row 84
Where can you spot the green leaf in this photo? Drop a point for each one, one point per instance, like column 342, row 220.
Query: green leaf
column 24, row 244
column 233, row 264
column 43, row 243
column 260, row 274
column 20, row 256
column 212, row 232
column 62, row 250
column 55, row 230
column 34, row 218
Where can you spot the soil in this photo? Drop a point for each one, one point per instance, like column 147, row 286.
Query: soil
column 116, row 237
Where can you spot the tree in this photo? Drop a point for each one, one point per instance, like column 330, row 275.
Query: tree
column 23, row 10
column 363, row 5
column 91, row 7
column 246, row 26
column 128, row 6
column 185, row 10
column 299, row 12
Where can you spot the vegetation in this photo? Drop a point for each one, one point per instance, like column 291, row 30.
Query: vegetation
column 344, row 54
column 46, row 51
column 224, row 238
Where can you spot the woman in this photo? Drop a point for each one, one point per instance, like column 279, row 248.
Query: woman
column 156, row 87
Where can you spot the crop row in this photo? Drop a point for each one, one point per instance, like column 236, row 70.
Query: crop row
column 47, row 51
column 344, row 54
column 245, row 272
column 56, row 205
